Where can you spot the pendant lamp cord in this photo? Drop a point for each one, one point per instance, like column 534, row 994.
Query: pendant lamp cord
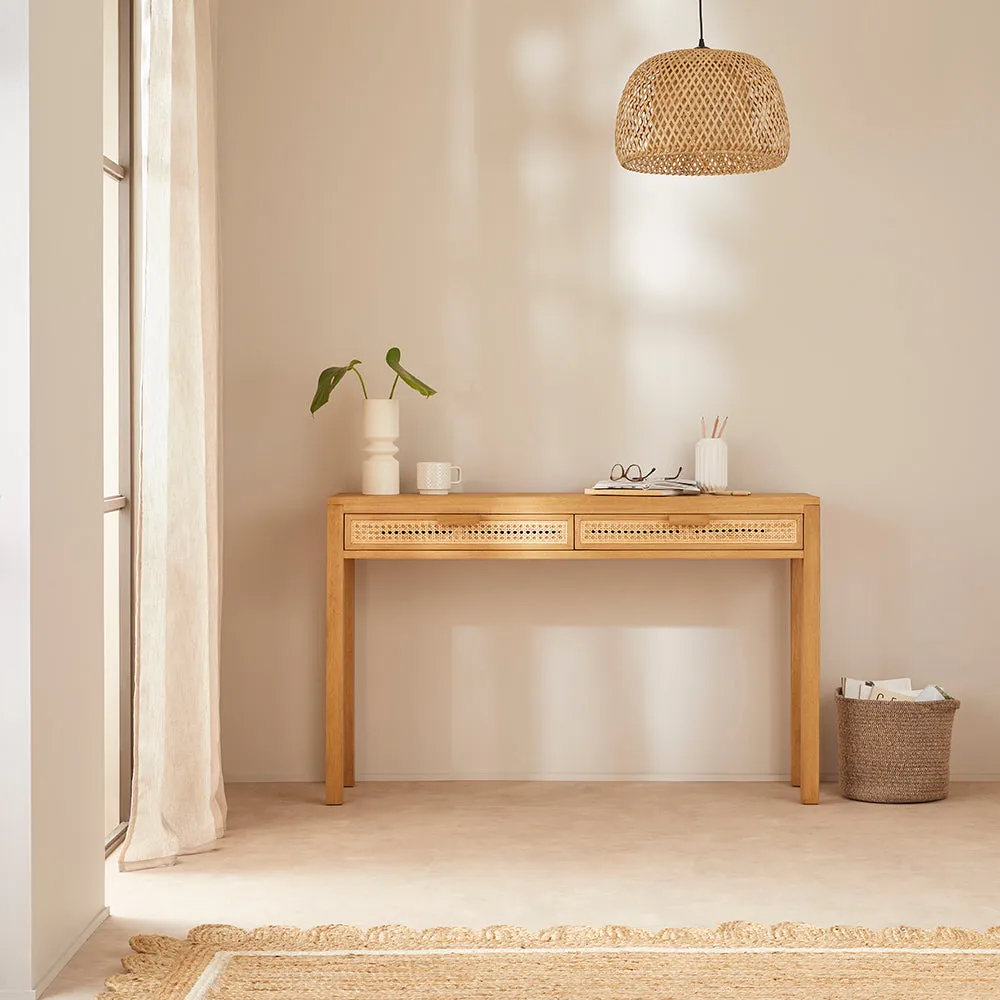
column 701, row 27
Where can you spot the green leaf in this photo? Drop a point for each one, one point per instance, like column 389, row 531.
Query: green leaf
column 392, row 360
column 329, row 379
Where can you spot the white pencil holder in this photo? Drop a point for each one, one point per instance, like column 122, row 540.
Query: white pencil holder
column 711, row 464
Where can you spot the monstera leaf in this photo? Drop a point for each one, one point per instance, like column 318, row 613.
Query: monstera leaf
column 329, row 379
column 392, row 360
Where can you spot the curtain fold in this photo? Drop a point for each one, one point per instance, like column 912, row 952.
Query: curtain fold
column 178, row 799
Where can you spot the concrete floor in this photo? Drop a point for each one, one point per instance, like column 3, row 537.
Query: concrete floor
column 537, row 853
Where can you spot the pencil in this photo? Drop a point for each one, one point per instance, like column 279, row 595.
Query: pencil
column 715, row 426
column 723, row 427
column 702, row 426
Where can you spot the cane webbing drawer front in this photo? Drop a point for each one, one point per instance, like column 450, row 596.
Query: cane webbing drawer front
column 681, row 531
column 456, row 532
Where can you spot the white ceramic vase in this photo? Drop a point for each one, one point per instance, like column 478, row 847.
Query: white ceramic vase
column 380, row 470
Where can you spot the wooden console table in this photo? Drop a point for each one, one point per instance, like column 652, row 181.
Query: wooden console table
column 572, row 526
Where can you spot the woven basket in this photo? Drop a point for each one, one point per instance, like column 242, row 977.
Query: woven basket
column 894, row 751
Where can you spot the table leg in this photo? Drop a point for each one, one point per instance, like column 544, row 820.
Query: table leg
column 349, row 565
column 795, row 645
column 809, row 658
column 336, row 623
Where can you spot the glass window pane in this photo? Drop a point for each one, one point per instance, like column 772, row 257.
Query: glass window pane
column 112, row 671
column 112, row 348
column 111, row 80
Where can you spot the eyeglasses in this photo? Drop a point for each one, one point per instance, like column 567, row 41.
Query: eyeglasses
column 634, row 474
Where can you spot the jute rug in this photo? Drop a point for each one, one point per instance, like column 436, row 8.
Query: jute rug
column 737, row 959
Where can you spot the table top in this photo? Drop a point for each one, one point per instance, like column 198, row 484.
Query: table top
column 573, row 503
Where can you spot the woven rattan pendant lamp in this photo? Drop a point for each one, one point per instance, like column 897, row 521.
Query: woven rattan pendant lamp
column 702, row 111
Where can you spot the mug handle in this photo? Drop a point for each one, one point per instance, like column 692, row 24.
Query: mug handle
column 454, row 469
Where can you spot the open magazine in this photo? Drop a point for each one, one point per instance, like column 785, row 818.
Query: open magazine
column 893, row 689
column 650, row 487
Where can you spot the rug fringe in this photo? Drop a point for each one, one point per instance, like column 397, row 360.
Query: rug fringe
column 734, row 933
column 154, row 953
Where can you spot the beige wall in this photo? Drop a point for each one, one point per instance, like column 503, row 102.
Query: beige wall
column 51, row 781
column 67, row 552
column 15, row 505
column 441, row 176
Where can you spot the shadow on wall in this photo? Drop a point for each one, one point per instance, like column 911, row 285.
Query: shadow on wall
column 583, row 315
column 612, row 676
column 442, row 176
column 581, row 306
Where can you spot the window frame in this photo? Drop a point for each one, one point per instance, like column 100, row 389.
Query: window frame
column 120, row 505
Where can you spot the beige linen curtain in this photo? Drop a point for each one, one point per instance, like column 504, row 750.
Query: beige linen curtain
column 178, row 801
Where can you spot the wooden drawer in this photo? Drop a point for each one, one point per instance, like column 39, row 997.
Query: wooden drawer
column 457, row 531
column 688, row 531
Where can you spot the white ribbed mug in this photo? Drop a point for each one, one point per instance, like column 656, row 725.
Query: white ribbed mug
column 711, row 464
column 437, row 478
